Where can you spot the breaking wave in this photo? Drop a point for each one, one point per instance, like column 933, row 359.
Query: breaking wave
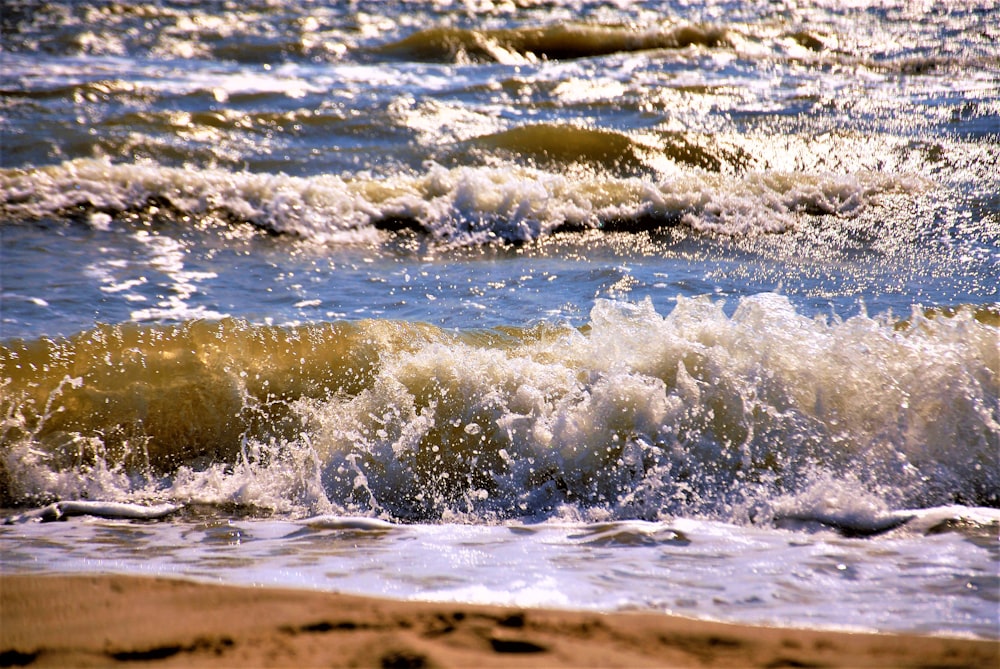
column 636, row 415
column 464, row 205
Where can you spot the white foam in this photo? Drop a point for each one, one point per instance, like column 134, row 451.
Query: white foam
column 463, row 205
column 762, row 416
column 347, row 523
column 69, row 508
column 839, row 502
column 740, row 416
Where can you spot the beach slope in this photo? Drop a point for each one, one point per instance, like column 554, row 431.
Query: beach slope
column 85, row 620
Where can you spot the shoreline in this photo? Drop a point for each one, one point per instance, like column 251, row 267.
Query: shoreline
column 117, row 620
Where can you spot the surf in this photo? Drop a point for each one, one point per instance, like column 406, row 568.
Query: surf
column 465, row 205
column 635, row 415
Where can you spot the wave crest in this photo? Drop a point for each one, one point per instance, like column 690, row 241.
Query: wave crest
column 463, row 205
column 554, row 42
column 636, row 416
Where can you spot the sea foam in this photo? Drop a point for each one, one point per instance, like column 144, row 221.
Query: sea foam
column 758, row 416
column 464, row 205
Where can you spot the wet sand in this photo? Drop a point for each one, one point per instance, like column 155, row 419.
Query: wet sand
column 83, row 620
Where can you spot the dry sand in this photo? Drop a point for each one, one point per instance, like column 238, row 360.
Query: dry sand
column 78, row 621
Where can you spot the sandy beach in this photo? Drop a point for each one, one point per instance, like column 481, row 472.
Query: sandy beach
column 84, row 620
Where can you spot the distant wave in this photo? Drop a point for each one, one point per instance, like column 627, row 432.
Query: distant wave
column 463, row 205
column 282, row 31
column 554, row 145
column 637, row 414
column 561, row 41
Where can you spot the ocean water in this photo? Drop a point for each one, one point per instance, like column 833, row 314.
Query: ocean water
column 669, row 306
